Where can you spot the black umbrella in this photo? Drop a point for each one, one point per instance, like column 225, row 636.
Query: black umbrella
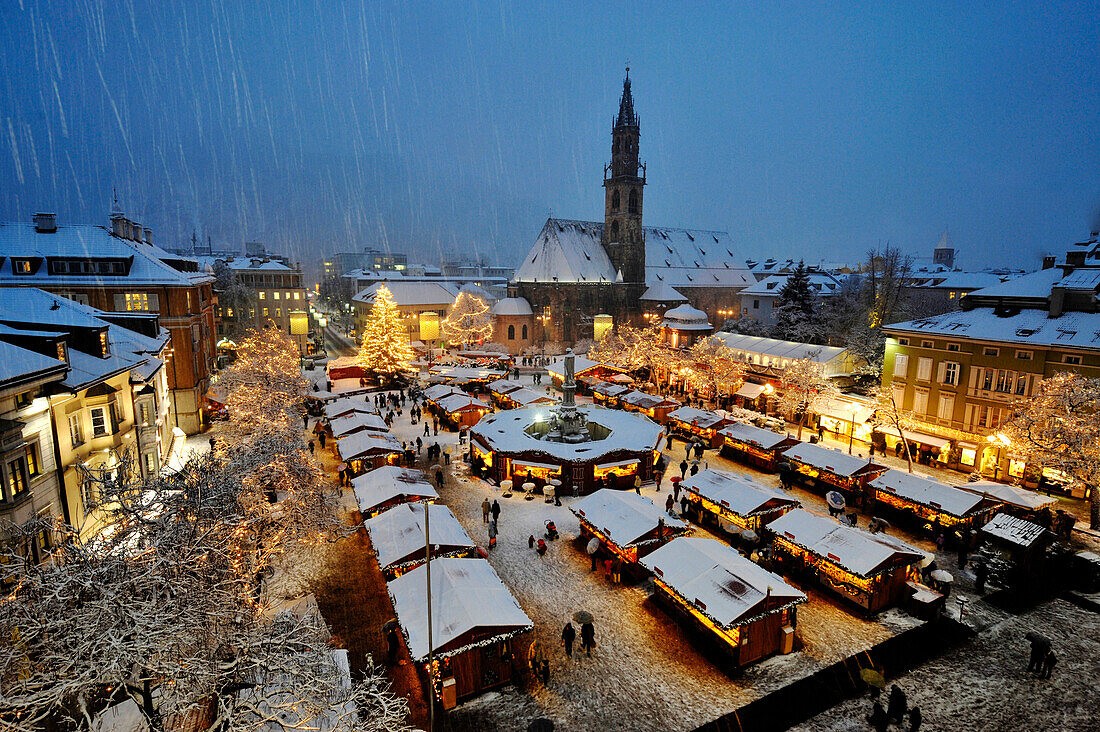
column 542, row 724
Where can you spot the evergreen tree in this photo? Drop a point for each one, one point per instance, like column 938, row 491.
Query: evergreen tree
column 469, row 320
column 385, row 348
column 796, row 309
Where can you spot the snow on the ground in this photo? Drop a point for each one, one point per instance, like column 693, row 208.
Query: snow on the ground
column 984, row 685
column 644, row 666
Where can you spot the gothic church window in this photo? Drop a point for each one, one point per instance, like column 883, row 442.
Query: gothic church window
column 615, row 200
column 511, row 332
column 633, row 204
column 614, row 229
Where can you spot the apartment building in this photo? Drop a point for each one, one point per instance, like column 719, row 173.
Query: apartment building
column 265, row 290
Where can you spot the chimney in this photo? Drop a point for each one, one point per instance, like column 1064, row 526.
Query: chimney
column 1048, row 261
column 119, row 226
column 1056, row 301
column 1075, row 259
column 148, row 236
column 45, row 223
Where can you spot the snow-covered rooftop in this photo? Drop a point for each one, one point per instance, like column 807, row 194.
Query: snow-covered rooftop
column 356, row 421
column 834, row 461
column 856, row 550
column 643, row 400
column 1032, row 285
column 19, row 364
column 747, row 344
column 685, row 314
column 951, row 280
column 624, row 517
column 581, row 364
column 927, row 492
column 765, row 439
column 1028, row 327
column 1014, row 530
column 702, row 418
column 397, row 535
column 467, row 595
column 460, row 402
column 347, row 405
column 1013, row 495
column 388, row 482
column 662, row 292
column 741, row 494
column 505, row 386
column 412, row 294
column 717, row 580
column 629, row 431
column 513, row 306
column 610, row 389
column 368, row 444
column 438, row 391
column 823, row 285
column 571, row 251
column 527, row 396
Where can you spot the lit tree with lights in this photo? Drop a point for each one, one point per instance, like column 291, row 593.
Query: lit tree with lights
column 712, row 368
column 1057, row 427
column 385, row 349
column 639, row 350
column 469, row 321
column 805, row 387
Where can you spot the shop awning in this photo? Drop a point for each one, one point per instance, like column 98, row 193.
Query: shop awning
column 619, row 464
column 845, row 410
column 922, row 438
column 532, row 464
column 750, row 391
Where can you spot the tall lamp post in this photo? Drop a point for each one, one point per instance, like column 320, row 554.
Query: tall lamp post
column 429, row 331
column 299, row 327
column 1000, row 441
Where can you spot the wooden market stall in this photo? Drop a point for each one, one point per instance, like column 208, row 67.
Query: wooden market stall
column 388, row 486
column 751, row 612
column 525, row 398
column 607, row 393
column 1017, row 501
column 653, row 406
column 354, row 422
column 699, row 424
column 461, row 410
column 478, row 628
column 366, row 450
column 347, row 405
column 825, row 469
column 719, row 498
column 1015, row 549
column 397, row 536
column 929, row 500
column 868, row 569
column 437, row 391
column 627, row 525
column 500, row 387
column 470, row 379
column 754, row 446
column 583, row 367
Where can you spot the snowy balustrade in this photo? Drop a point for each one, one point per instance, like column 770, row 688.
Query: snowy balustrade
column 366, row 450
column 627, row 525
column 930, row 499
column 754, row 445
column 868, row 569
column 827, row 469
column 510, row 445
column 737, row 499
column 750, row 611
column 397, row 536
column 478, row 628
column 703, row 425
column 388, row 486
column 655, row 407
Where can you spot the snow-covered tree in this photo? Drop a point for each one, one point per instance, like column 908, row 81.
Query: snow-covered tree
column 797, row 309
column 889, row 414
column 713, row 369
column 385, row 348
column 1057, row 427
column 470, row 320
column 640, row 350
column 804, row 387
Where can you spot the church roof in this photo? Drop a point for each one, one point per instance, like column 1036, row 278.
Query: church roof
column 513, row 306
column 662, row 292
column 571, row 251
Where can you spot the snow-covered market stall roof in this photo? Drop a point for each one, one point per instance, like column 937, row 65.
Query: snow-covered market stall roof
column 525, row 397
column 439, row 391
column 624, row 517
column 388, row 483
column 461, row 403
column 504, row 386
column 830, row 460
column 643, row 400
column 720, row 583
column 1014, row 530
column 465, row 374
column 398, row 538
column 704, row 419
column 609, row 389
column 470, row 607
column 1012, row 495
column 627, row 432
column 773, row 356
column 928, row 492
column 753, row 435
column 356, row 422
column 739, row 493
column 347, row 405
column 581, row 366
column 860, row 552
column 367, row 444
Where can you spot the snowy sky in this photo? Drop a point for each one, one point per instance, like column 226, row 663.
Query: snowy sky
column 812, row 130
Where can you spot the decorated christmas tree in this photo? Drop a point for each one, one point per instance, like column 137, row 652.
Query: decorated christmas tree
column 469, row 320
column 385, row 348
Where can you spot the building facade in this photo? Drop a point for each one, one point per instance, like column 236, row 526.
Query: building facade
column 266, row 290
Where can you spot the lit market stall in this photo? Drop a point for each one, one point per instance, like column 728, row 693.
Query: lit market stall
column 583, row 367
column 347, row 405
column 721, row 498
column 434, row 393
column 397, row 536
column 607, row 393
column 700, row 424
column 626, row 524
column 470, row 379
column 366, row 450
column 388, row 486
column 751, row 612
column 655, row 407
column 461, row 410
column 500, row 387
column 354, row 422
column 478, row 628
column 825, row 469
column 1015, row 550
column 926, row 449
column 754, row 446
column 930, row 500
column 525, row 398
column 870, row 570
column 1018, row 501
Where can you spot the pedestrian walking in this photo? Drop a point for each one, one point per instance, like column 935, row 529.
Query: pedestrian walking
column 311, row 448
column 493, row 534
column 439, row 477
column 660, row 476
column 683, row 469
column 617, row 570
column 668, row 442
column 896, row 705
column 588, row 638
column 426, row 431
column 1048, row 665
column 694, row 469
column 1040, row 647
column 485, row 511
column 638, row 484
column 687, row 449
column 669, row 503
column 568, row 635
column 675, row 490
column 435, row 425
column 419, row 445
column 981, row 574
column 915, row 719
column 698, row 451
column 305, row 421
column 495, row 510
column 878, row 718
column 322, row 436
column 212, row 443
column 684, row 504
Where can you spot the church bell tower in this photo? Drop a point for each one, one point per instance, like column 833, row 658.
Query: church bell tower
column 623, row 180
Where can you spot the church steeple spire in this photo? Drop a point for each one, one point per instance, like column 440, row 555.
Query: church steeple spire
column 626, row 117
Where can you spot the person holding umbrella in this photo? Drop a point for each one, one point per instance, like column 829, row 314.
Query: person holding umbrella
column 588, row 635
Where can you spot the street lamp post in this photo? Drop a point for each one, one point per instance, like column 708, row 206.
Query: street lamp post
column 1000, row 441
column 851, row 432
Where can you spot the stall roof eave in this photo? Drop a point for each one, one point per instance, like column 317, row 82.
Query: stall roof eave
column 859, row 552
column 928, row 492
column 624, row 517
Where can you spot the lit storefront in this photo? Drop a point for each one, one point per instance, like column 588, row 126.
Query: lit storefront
column 755, row 446
column 719, row 496
column 626, row 524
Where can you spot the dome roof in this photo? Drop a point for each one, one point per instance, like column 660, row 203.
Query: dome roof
column 686, row 313
column 513, row 306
